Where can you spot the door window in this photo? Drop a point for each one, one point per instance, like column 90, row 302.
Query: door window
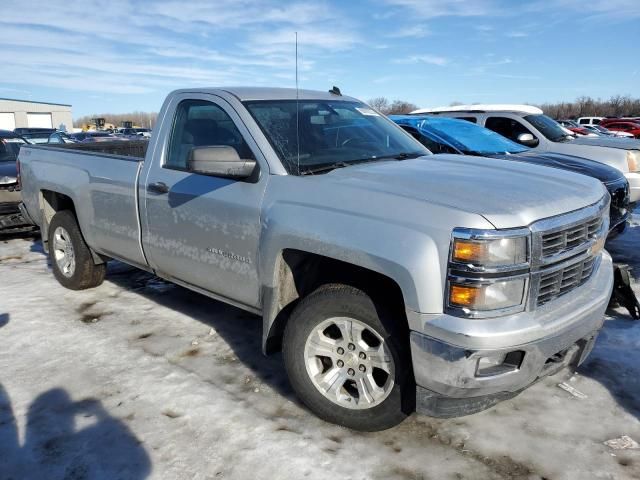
column 507, row 127
column 432, row 145
column 200, row 123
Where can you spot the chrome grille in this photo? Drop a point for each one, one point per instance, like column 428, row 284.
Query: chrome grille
column 560, row 281
column 571, row 237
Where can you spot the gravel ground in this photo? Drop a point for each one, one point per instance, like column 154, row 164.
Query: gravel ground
column 142, row 379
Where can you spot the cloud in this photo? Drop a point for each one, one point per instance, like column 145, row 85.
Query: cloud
column 439, row 8
column 282, row 41
column 122, row 46
column 429, row 59
column 415, row 31
column 517, row 34
column 593, row 10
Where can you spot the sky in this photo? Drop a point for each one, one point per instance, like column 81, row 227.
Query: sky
column 119, row 56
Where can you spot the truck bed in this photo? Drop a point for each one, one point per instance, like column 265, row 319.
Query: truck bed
column 102, row 179
column 125, row 148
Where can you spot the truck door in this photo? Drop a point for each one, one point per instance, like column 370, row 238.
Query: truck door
column 199, row 229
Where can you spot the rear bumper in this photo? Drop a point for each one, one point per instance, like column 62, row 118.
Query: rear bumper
column 11, row 211
column 446, row 352
column 9, row 201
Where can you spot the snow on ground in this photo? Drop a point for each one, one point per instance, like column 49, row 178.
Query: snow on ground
column 141, row 379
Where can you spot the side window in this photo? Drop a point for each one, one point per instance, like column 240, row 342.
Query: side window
column 583, row 121
column 200, row 123
column 468, row 119
column 507, row 127
column 433, row 146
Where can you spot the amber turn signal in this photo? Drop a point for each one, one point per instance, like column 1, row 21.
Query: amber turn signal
column 468, row 251
column 463, row 296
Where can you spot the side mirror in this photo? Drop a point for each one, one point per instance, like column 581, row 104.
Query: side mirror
column 527, row 140
column 220, row 161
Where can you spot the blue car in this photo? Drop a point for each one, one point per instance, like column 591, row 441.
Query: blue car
column 448, row 135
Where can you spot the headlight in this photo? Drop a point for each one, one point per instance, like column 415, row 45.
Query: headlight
column 479, row 297
column 633, row 159
column 476, row 259
column 7, row 180
column 495, row 252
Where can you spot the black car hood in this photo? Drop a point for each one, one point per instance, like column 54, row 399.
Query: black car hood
column 591, row 168
column 8, row 169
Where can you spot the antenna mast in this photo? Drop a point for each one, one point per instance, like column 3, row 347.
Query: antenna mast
column 297, row 110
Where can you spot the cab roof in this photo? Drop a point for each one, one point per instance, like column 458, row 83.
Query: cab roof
column 269, row 93
column 506, row 107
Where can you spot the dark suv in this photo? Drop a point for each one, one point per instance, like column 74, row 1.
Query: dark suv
column 448, row 135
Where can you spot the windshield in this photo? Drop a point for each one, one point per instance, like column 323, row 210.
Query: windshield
column 470, row 138
column 547, row 127
column 327, row 133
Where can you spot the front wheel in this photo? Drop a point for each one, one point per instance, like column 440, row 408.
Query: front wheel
column 345, row 360
column 71, row 259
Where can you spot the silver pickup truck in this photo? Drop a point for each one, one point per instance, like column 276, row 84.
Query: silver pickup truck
column 390, row 278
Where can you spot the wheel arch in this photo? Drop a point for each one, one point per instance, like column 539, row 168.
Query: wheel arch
column 51, row 202
column 297, row 273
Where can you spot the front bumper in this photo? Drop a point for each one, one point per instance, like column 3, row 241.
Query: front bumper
column 634, row 186
column 446, row 350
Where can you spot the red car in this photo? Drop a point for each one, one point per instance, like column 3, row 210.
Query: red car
column 622, row 126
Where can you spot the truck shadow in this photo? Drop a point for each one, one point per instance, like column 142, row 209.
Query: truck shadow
column 241, row 330
column 610, row 362
column 66, row 439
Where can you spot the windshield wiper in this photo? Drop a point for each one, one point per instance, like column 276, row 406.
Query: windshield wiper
column 402, row 156
column 325, row 167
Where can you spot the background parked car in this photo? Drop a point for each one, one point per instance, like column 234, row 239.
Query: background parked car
column 448, row 135
column 626, row 126
column 10, row 216
column 589, row 120
column 94, row 136
column 572, row 126
column 134, row 133
column 26, row 130
column 529, row 126
column 37, row 137
column 61, row 137
column 599, row 129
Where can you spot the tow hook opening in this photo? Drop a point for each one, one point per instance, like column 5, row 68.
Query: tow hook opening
column 499, row 364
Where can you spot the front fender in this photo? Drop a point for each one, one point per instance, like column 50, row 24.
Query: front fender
column 410, row 258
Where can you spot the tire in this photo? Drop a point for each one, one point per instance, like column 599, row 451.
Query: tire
column 71, row 259
column 320, row 320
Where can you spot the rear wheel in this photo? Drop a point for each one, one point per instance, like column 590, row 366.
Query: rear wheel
column 71, row 259
column 343, row 360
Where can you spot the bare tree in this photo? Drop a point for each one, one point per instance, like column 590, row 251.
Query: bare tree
column 616, row 106
column 381, row 104
column 397, row 107
column 400, row 107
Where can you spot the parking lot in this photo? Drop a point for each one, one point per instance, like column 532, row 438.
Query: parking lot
column 142, row 379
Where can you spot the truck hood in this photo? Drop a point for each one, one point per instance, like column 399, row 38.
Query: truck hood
column 611, row 142
column 507, row 194
column 584, row 166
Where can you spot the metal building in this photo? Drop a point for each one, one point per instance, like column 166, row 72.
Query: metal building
column 25, row 113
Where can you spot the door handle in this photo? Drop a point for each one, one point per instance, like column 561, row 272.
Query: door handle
column 158, row 187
